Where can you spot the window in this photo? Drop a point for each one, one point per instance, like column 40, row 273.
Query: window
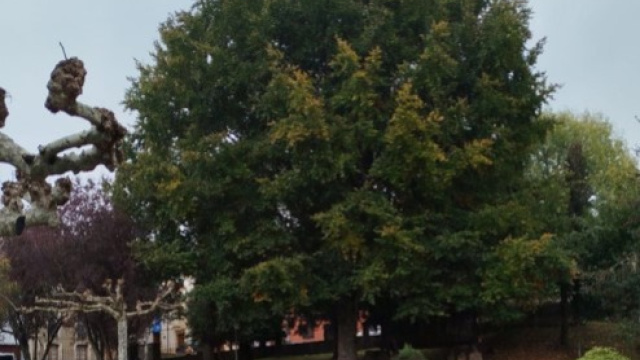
column 81, row 331
column 53, row 352
column 306, row 330
column 81, row 352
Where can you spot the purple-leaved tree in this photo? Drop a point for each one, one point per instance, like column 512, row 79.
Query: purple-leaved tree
column 63, row 272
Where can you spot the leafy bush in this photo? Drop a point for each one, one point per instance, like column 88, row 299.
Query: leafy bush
column 409, row 353
column 602, row 353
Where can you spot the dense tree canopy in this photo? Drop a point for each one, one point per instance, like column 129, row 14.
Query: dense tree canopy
column 332, row 153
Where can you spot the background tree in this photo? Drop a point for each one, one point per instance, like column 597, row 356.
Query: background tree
column 585, row 180
column 337, row 159
column 33, row 271
column 92, row 244
column 98, row 243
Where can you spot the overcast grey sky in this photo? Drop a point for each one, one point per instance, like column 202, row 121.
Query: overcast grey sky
column 106, row 35
column 591, row 50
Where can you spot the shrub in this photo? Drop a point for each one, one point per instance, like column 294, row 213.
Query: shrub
column 409, row 353
column 602, row 353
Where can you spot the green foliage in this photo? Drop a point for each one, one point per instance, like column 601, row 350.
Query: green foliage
column 583, row 188
column 601, row 233
column 629, row 331
column 409, row 353
column 365, row 151
column 524, row 272
column 602, row 353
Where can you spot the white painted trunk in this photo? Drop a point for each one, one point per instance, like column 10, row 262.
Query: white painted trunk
column 122, row 338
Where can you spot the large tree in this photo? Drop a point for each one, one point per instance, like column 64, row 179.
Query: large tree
column 330, row 153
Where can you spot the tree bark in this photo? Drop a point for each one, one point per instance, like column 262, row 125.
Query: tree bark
column 96, row 339
column 576, row 302
column 207, row 351
column 23, row 342
column 564, row 316
column 333, row 334
column 366, row 339
column 347, row 318
column 156, row 351
column 122, row 338
column 244, row 350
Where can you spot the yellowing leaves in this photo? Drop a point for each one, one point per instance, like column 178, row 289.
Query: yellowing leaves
column 275, row 279
column 477, row 152
column 304, row 112
column 172, row 179
column 339, row 233
column 260, row 297
column 521, row 266
column 412, row 153
column 346, row 61
column 412, row 131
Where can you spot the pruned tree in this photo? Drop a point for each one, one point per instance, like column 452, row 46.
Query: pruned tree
column 65, row 304
column 103, row 147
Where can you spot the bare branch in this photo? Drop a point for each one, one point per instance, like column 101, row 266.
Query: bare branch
column 11, row 153
column 159, row 303
column 63, row 51
column 82, row 302
column 4, row 112
column 103, row 139
column 5, row 298
column 68, row 307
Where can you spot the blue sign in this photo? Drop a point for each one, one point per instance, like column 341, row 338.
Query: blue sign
column 156, row 326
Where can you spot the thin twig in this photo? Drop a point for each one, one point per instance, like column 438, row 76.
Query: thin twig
column 63, row 51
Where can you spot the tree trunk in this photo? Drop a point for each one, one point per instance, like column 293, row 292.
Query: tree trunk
column 156, row 353
column 279, row 345
column 564, row 316
column 122, row 338
column 333, row 331
column 207, row 351
column 23, row 342
column 21, row 335
column 244, row 350
column 132, row 351
column 347, row 318
column 96, row 339
column 366, row 339
column 576, row 302
column 36, row 338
